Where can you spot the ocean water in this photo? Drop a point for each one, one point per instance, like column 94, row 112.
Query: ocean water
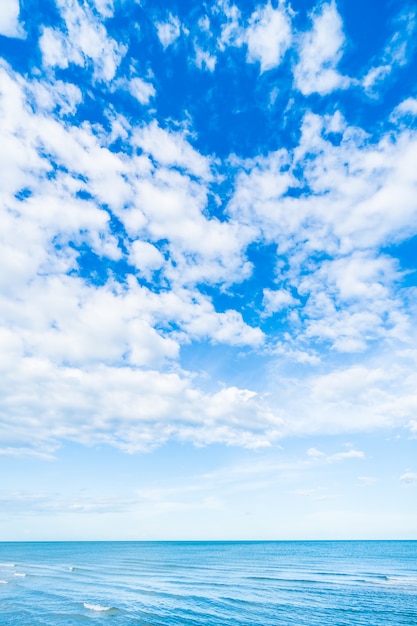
column 342, row 583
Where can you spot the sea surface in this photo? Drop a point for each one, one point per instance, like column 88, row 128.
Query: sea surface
column 294, row 583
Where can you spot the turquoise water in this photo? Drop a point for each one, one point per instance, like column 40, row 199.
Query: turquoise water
column 212, row 583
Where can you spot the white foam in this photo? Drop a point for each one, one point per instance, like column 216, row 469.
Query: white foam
column 3, row 582
column 20, row 575
column 7, row 564
column 71, row 568
column 96, row 607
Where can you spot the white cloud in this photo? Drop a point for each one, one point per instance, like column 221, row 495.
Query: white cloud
column 85, row 41
column 406, row 107
column 342, row 456
column 231, row 30
column 359, row 398
column 171, row 149
column 328, row 238
column 146, row 257
column 61, row 97
column 168, row 31
column 397, row 52
column 128, row 408
column 276, row 300
column 267, row 33
column 69, row 337
column 314, row 453
column 141, row 90
column 376, row 75
column 268, row 36
column 337, row 457
column 204, row 23
column 105, row 7
column 204, row 60
column 409, row 478
column 320, row 52
column 9, row 19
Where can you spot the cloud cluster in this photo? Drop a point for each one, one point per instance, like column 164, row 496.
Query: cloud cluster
column 356, row 197
column 84, row 40
column 129, row 250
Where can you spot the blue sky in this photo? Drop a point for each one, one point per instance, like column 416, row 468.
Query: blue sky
column 208, row 280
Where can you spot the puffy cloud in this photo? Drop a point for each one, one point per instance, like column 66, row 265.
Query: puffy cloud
column 171, row 149
column 69, row 338
column 320, row 52
column 141, row 90
column 203, row 59
column 267, row 33
column 276, row 300
column 9, row 19
column 129, row 408
column 168, row 31
column 268, row 36
column 118, row 251
column 85, row 40
column 328, row 237
column 406, row 107
column 146, row 257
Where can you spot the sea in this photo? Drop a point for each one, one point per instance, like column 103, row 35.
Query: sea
column 272, row 583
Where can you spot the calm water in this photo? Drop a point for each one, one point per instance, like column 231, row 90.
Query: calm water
column 213, row 584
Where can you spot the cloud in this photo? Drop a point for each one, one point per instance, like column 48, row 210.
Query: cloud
column 338, row 457
column 359, row 398
column 342, row 456
column 141, row 90
column 146, row 257
column 9, row 19
column 276, row 300
column 314, row 453
column 122, row 265
column 328, row 237
column 231, row 29
column 30, row 503
column 268, row 36
column 409, row 478
column 83, row 41
column 405, row 108
column 125, row 407
column 204, row 60
column 320, row 51
column 168, row 31
column 171, row 149
column 397, row 52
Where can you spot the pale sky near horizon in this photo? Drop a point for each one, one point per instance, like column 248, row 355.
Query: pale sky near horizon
column 208, row 279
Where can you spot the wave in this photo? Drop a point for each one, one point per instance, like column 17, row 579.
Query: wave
column 7, row 564
column 3, row 582
column 401, row 580
column 21, row 575
column 97, row 607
